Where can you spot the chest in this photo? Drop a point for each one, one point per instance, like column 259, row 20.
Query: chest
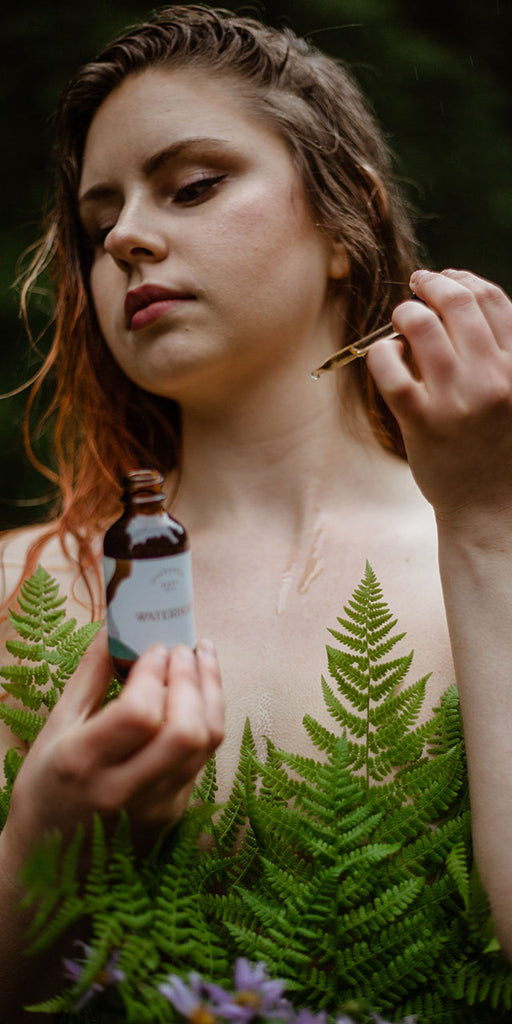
column 270, row 610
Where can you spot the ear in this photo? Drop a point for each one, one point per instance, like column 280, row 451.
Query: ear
column 339, row 263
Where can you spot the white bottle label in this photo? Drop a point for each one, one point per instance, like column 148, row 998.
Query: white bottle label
column 150, row 600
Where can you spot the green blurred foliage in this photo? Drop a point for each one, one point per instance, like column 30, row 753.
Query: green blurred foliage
column 438, row 75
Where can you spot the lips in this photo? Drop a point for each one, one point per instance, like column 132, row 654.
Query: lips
column 154, row 295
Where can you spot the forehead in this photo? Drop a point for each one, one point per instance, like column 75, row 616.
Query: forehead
column 160, row 106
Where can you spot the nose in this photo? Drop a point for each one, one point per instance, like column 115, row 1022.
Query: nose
column 137, row 235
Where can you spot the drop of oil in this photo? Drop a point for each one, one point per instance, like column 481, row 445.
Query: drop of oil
column 284, row 589
column 314, row 566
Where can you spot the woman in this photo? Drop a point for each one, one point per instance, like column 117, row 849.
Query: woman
column 224, row 219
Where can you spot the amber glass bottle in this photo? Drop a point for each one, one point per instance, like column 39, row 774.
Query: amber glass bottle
column 148, row 574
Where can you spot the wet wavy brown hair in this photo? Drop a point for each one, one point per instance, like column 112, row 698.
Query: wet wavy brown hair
column 105, row 425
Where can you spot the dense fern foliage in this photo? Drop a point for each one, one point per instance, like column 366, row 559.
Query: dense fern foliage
column 50, row 648
column 349, row 875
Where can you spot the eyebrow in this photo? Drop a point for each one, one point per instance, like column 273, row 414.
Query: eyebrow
column 158, row 160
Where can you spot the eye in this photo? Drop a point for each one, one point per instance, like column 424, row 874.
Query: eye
column 97, row 237
column 199, row 190
column 94, row 237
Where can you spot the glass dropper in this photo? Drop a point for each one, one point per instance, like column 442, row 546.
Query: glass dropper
column 356, row 350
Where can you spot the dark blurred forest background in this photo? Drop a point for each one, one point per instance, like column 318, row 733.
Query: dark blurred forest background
column 437, row 72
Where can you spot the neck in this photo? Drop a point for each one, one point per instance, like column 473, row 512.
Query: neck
column 285, row 450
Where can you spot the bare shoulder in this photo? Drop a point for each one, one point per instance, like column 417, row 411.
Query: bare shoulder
column 58, row 560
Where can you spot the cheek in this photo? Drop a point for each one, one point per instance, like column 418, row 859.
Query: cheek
column 95, row 283
column 102, row 292
column 270, row 236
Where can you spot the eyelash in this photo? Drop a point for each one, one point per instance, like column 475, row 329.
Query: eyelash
column 203, row 184
column 182, row 195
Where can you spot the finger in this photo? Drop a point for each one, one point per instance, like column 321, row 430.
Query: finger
column 211, row 685
column 183, row 743
column 185, row 712
column 394, row 379
column 465, row 325
column 432, row 353
column 132, row 719
column 495, row 304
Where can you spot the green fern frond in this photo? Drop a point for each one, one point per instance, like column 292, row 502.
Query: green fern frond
column 37, row 674
column 457, row 865
column 24, row 724
column 50, row 649
column 370, row 706
column 28, row 626
column 53, row 1005
column 207, row 787
column 41, row 608
column 179, row 922
column 52, row 887
column 12, row 764
column 13, row 761
column 22, row 690
column 62, row 632
column 97, row 881
column 22, row 649
column 233, row 817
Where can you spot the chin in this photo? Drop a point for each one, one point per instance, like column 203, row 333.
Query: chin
column 172, row 384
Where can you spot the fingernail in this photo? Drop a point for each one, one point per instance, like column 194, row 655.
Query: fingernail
column 206, row 646
column 183, row 653
column 160, row 653
column 417, row 275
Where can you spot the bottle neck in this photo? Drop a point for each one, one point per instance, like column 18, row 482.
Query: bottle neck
column 143, row 487
column 145, row 504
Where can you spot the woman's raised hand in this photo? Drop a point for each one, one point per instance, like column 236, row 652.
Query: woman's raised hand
column 455, row 409
column 142, row 751
column 455, row 413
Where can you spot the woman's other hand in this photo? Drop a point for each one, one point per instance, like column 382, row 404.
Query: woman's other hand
column 142, row 751
column 455, row 409
column 455, row 412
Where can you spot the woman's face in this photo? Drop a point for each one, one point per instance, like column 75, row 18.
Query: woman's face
column 207, row 266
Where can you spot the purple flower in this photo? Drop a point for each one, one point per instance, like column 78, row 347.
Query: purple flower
column 189, row 1000
column 108, row 975
column 380, row 1020
column 255, row 995
column 306, row 1017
